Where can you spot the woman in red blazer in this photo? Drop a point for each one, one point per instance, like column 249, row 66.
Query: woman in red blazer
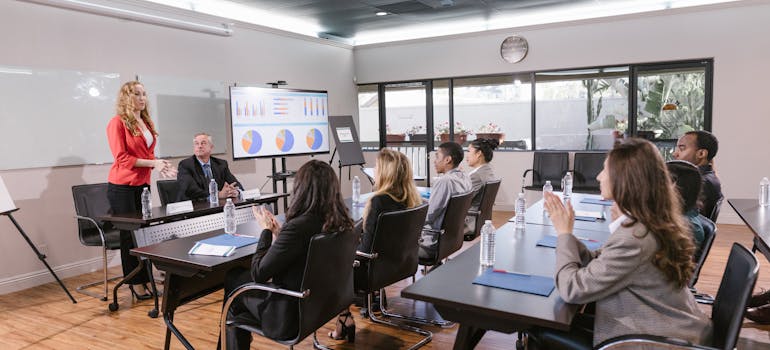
column 132, row 138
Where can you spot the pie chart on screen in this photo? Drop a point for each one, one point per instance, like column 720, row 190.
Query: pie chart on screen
column 251, row 142
column 314, row 139
column 284, row 140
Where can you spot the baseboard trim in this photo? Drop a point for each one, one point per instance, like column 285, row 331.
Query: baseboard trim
column 42, row 276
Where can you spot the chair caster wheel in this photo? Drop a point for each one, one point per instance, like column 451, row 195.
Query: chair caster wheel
column 113, row 307
column 364, row 312
column 153, row 313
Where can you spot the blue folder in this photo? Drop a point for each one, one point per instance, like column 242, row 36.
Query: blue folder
column 549, row 241
column 230, row 240
column 605, row 202
column 538, row 285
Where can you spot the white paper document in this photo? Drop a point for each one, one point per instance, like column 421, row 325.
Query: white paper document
column 589, row 214
column 179, row 207
column 6, row 202
column 213, row 250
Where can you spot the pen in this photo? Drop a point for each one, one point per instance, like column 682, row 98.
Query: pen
column 509, row 272
column 586, row 239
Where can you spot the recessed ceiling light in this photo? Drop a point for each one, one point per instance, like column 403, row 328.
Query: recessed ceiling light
column 381, row 13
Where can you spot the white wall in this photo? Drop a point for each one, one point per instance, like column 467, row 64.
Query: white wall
column 47, row 37
column 735, row 36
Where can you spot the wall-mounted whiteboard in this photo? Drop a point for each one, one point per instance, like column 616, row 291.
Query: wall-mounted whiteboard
column 55, row 117
column 181, row 108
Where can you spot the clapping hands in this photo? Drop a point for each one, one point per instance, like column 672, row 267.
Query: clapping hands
column 562, row 216
column 266, row 219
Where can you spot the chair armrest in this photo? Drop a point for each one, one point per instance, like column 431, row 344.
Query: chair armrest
column 474, row 213
column 371, row 256
column 98, row 228
column 440, row 232
column 642, row 340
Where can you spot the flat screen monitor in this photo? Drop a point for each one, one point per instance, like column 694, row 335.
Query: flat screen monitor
column 267, row 122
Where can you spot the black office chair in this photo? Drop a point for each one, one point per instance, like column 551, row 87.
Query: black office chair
column 486, row 198
column 91, row 203
column 709, row 233
column 727, row 314
column 715, row 211
column 547, row 166
column 450, row 236
column 587, row 166
column 168, row 191
column 392, row 259
column 322, row 295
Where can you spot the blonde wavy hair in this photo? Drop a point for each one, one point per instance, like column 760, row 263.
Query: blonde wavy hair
column 125, row 109
column 394, row 178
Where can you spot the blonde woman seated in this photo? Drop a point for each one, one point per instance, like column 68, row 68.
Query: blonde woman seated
column 394, row 189
column 638, row 279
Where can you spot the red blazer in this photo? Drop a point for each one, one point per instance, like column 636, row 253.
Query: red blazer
column 126, row 149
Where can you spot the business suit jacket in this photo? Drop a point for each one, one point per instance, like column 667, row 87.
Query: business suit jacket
column 632, row 295
column 283, row 261
column 193, row 183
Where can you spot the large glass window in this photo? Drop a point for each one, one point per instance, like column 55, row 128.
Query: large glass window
column 670, row 102
column 404, row 110
column 368, row 117
column 580, row 109
column 493, row 107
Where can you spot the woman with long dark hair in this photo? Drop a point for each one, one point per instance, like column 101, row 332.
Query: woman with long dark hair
column 317, row 207
column 638, row 279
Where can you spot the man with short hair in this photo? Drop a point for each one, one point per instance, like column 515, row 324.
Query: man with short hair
column 700, row 147
column 196, row 172
column 452, row 182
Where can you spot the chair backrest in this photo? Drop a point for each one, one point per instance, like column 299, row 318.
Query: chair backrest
column 330, row 293
column 395, row 243
column 453, row 225
column 587, row 166
column 488, row 196
column 168, row 191
column 90, row 201
column 709, row 232
column 715, row 211
column 549, row 166
column 734, row 291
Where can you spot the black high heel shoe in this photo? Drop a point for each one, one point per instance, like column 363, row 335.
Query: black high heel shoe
column 345, row 330
column 146, row 296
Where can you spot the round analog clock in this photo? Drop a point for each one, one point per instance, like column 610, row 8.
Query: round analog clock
column 514, row 48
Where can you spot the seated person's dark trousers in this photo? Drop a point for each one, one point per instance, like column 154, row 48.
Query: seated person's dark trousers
column 246, row 303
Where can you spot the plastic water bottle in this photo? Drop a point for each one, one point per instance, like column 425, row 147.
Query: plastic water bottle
column 213, row 193
column 487, row 257
column 521, row 211
column 230, row 216
column 547, row 187
column 764, row 192
column 566, row 186
column 146, row 203
column 356, row 189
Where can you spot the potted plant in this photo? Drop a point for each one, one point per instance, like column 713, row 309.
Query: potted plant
column 461, row 133
column 490, row 131
column 393, row 137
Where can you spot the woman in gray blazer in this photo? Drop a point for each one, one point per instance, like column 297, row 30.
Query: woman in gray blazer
column 638, row 279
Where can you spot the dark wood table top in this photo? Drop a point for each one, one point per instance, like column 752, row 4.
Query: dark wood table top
column 200, row 208
column 450, row 286
column 536, row 214
column 756, row 217
column 174, row 252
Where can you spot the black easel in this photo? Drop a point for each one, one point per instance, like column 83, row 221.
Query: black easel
column 340, row 165
column 281, row 176
column 40, row 255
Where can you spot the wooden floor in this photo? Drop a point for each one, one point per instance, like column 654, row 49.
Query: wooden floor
column 43, row 317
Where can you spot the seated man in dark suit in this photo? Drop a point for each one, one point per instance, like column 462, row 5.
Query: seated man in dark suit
column 700, row 147
column 196, row 172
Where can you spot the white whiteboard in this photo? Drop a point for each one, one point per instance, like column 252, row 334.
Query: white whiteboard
column 55, row 117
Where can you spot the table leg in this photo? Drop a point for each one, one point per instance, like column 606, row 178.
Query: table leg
column 169, row 306
column 467, row 337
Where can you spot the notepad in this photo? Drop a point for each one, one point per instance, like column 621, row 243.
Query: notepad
column 549, row 241
column 210, row 249
column 597, row 201
column 532, row 284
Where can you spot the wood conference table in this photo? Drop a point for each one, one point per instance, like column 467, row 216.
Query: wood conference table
column 757, row 218
column 479, row 308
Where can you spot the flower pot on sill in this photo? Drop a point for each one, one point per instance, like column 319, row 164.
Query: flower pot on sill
column 491, row 135
column 395, row 137
column 459, row 138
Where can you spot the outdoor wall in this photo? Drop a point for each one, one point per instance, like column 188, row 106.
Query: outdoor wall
column 732, row 34
column 47, row 37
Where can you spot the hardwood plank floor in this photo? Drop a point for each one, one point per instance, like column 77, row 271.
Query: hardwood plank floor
column 43, row 318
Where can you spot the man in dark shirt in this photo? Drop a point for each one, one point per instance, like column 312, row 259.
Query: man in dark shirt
column 196, row 172
column 700, row 147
